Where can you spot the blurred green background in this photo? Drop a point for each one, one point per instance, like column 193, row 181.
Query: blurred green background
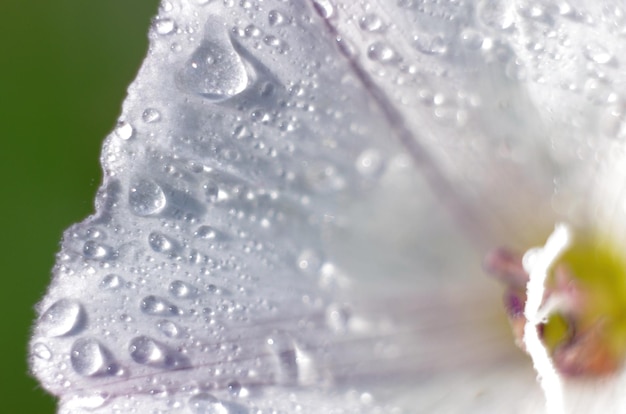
column 65, row 68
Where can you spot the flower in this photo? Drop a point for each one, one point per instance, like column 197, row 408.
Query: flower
column 297, row 200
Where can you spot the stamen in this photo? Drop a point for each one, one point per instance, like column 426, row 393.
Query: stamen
column 537, row 263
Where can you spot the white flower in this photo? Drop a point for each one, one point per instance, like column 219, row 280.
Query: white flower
column 298, row 197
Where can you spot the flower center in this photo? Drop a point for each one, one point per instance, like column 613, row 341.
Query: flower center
column 584, row 329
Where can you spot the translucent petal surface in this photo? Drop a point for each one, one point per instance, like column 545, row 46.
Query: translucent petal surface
column 287, row 198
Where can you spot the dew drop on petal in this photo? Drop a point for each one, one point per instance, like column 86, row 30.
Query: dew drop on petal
column 90, row 358
column 155, row 305
column 41, row 351
column 382, row 52
column 111, row 281
column 168, row 328
column 214, row 71
column 146, row 198
column 597, row 53
column 160, row 243
column 64, row 317
column 147, row 351
column 276, row 18
column 371, row 23
column 151, row 115
column 205, row 403
column 206, row 233
column 164, row 26
column 124, row 130
column 95, row 250
column 183, row 290
column 430, row 45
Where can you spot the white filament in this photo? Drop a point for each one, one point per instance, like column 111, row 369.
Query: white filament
column 537, row 263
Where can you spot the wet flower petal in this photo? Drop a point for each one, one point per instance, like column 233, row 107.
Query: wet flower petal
column 298, row 196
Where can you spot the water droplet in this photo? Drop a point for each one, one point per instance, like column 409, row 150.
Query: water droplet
column 111, row 281
column 369, row 163
column 168, row 328
column 124, row 130
column 497, row 14
column 276, row 18
column 180, row 289
column 164, row 26
column 85, row 402
column 147, row 351
column 95, row 250
column 430, row 45
column 151, row 115
column 41, row 351
column 371, row 23
column 597, row 53
column 160, row 243
column 214, row 71
column 206, row 232
column 252, row 31
column 237, row 390
column 155, row 305
column 146, row 198
column 64, row 317
column 205, row 403
column 90, row 358
column 381, row 52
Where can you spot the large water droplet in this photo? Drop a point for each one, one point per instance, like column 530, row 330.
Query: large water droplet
column 155, row 305
column 90, row 358
column 146, row 198
column 214, row 71
column 64, row 317
column 147, row 351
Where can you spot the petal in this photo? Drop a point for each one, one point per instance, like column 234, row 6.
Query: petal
column 274, row 228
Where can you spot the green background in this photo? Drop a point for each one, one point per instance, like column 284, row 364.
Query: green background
column 65, row 68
